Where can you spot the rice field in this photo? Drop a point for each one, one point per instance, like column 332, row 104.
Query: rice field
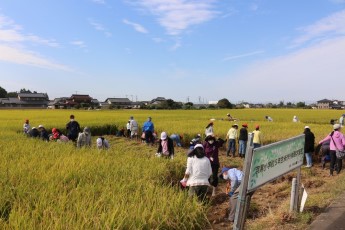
column 56, row 186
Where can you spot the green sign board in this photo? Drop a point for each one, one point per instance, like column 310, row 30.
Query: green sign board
column 274, row 160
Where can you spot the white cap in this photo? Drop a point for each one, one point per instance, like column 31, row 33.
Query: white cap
column 163, row 135
column 40, row 126
column 198, row 145
column 306, row 127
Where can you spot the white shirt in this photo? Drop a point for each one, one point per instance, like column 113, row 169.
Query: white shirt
column 134, row 125
column 128, row 125
column 232, row 133
column 26, row 128
column 102, row 144
column 235, row 177
column 199, row 170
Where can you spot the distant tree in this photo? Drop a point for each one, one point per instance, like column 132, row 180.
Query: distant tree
column 25, row 90
column 189, row 103
column 290, row 105
column 300, row 104
column 281, row 104
column 3, row 92
column 224, row 104
column 12, row 94
column 211, row 107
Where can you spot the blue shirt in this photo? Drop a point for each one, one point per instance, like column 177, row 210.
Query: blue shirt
column 148, row 126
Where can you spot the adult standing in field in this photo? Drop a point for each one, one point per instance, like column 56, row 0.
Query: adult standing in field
column 234, row 177
column 341, row 120
column 165, row 146
column 211, row 148
column 337, row 142
column 148, row 129
column 309, row 146
column 242, row 140
column 209, row 129
column 73, row 128
column 197, row 173
column 232, row 136
column 134, row 127
column 84, row 138
column 26, row 126
column 257, row 137
column 43, row 133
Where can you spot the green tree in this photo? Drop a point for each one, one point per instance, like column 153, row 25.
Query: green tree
column 12, row 94
column 300, row 104
column 224, row 104
column 3, row 92
column 25, row 90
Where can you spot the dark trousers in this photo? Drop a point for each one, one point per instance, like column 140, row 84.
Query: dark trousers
column 199, row 190
column 148, row 137
column 214, row 176
column 334, row 160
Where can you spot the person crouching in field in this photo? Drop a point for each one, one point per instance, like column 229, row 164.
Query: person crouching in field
column 84, row 138
column 34, row 132
column 166, row 146
column 337, row 142
column 43, row 133
column 58, row 136
column 102, row 143
column 197, row 173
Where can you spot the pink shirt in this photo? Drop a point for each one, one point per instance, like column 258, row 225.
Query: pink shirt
column 338, row 140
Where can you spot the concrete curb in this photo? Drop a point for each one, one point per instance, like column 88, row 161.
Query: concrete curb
column 333, row 217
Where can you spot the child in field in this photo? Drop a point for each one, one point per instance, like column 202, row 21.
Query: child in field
column 102, row 143
column 26, row 127
column 84, row 138
column 166, row 146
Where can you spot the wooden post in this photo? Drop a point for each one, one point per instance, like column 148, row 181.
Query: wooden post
column 298, row 189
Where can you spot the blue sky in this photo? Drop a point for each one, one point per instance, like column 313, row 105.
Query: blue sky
column 256, row 51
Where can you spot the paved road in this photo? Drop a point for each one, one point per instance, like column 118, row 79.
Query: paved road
column 333, row 218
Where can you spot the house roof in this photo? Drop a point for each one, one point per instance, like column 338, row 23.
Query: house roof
column 324, row 101
column 81, row 96
column 117, row 100
column 32, row 95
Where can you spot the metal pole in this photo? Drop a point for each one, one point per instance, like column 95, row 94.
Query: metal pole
column 240, row 215
column 297, row 192
column 293, row 194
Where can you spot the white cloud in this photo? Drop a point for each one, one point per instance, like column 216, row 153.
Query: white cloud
column 139, row 28
column 80, row 44
column 99, row 1
column 328, row 27
column 99, row 27
column 178, row 15
column 176, row 45
column 26, row 57
column 243, row 55
column 13, row 43
column 309, row 74
column 157, row 39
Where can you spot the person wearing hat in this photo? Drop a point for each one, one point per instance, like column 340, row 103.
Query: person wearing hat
column 148, row 129
column 337, row 142
column 26, row 127
column 134, row 127
column 43, row 133
column 309, row 146
column 234, row 177
column 197, row 173
column 194, row 141
column 232, row 136
column 165, row 146
column 73, row 129
column 242, row 140
column 209, row 129
column 257, row 137
column 34, row 132
column 211, row 147
column 57, row 135
column 84, row 138
column 295, row 119
column 102, row 143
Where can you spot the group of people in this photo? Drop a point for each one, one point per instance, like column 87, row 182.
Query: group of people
column 74, row 134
